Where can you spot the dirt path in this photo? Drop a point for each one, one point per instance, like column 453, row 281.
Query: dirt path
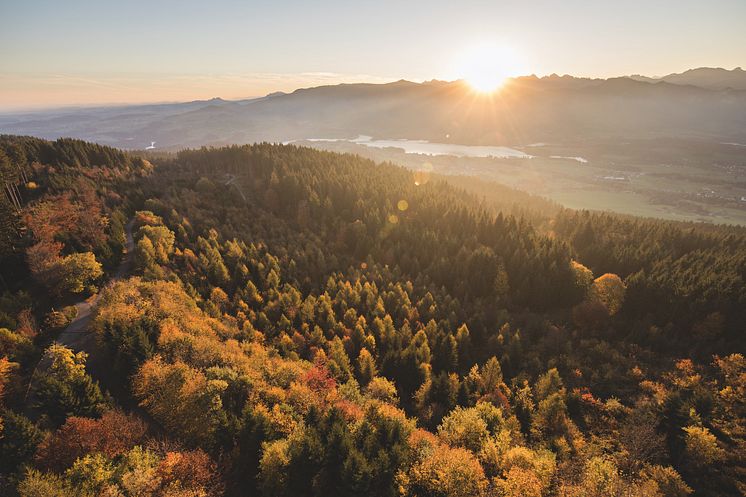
column 77, row 336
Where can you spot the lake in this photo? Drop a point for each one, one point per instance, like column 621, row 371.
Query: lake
column 431, row 148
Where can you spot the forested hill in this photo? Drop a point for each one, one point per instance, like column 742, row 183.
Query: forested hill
column 308, row 323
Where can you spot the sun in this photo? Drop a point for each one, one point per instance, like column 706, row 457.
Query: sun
column 486, row 67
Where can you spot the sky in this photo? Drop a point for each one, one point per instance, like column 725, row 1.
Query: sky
column 84, row 52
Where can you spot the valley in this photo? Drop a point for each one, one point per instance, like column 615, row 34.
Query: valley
column 648, row 148
column 699, row 180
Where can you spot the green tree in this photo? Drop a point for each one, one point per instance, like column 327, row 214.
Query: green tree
column 65, row 389
column 19, row 438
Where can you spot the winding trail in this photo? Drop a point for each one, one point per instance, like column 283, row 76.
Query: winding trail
column 77, row 335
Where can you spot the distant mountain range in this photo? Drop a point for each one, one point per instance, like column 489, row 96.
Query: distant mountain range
column 702, row 103
column 704, row 77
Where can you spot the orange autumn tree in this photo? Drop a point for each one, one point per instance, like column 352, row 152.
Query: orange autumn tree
column 113, row 434
column 442, row 470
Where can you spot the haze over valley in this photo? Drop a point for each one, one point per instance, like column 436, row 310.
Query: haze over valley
column 673, row 147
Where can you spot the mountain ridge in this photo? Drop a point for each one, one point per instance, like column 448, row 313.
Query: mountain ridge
column 526, row 109
column 713, row 78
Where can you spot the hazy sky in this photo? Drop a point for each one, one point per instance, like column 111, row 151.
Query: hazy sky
column 59, row 52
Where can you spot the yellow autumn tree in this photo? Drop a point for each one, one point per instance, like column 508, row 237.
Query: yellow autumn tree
column 518, row 482
column 609, row 290
column 583, row 276
column 446, row 472
column 702, row 449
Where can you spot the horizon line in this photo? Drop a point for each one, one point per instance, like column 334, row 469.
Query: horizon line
column 380, row 81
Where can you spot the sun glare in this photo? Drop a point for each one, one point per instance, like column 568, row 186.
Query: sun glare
column 485, row 67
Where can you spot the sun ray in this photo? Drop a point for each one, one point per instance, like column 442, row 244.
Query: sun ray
column 486, row 67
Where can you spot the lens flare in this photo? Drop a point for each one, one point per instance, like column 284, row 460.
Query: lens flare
column 422, row 175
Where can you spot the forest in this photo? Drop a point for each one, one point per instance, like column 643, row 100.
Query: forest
column 294, row 322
